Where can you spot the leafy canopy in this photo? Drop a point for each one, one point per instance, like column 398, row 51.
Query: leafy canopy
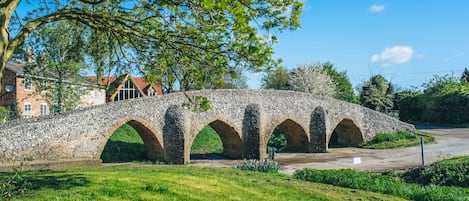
column 165, row 38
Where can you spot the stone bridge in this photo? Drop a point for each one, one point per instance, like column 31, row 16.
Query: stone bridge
column 244, row 120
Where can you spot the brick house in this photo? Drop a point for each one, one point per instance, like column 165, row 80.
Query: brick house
column 20, row 88
column 126, row 87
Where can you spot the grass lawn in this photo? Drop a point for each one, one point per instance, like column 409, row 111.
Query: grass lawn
column 126, row 145
column 149, row 182
column 395, row 140
column 207, row 142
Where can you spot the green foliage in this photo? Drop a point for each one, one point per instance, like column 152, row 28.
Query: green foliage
column 377, row 94
column 448, row 172
column 124, row 145
column 14, row 185
column 278, row 140
column 276, row 79
column 443, row 100
column 60, row 50
column 382, row 184
column 197, row 103
column 465, row 76
column 4, row 114
column 258, row 165
column 343, row 86
column 207, row 141
column 394, row 140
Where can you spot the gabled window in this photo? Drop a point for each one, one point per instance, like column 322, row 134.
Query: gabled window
column 128, row 91
column 28, row 84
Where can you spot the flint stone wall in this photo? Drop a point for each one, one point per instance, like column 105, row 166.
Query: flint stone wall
column 246, row 117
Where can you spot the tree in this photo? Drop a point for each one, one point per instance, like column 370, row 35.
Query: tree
column 465, row 76
column 377, row 94
column 276, row 79
column 312, row 78
column 343, row 87
column 218, row 34
column 60, row 49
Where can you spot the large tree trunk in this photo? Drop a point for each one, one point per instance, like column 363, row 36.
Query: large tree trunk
column 7, row 7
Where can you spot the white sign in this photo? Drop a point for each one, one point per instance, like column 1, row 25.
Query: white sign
column 357, row 160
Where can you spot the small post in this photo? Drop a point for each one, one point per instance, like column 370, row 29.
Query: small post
column 421, row 147
column 271, row 153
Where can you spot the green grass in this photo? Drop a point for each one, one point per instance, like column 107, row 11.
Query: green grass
column 207, row 142
column 383, row 184
column 179, row 183
column 124, row 145
column 395, row 140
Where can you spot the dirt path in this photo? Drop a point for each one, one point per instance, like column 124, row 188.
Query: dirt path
column 449, row 142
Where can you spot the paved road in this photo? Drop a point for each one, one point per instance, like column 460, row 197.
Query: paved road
column 449, row 142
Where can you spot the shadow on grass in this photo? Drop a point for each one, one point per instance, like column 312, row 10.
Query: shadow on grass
column 57, row 182
column 208, row 156
column 118, row 151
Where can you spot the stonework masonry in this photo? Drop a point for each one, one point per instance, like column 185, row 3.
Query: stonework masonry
column 244, row 119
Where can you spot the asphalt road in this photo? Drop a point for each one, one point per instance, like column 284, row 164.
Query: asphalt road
column 449, row 142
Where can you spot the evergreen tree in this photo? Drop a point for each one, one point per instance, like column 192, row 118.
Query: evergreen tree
column 377, row 94
column 465, row 76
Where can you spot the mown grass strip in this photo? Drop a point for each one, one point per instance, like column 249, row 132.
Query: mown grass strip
column 179, row 183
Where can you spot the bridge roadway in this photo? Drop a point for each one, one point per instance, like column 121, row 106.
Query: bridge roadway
column 244, row 120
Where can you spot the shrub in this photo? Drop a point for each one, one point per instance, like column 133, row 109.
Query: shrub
column 258, row 165
column 382, row 184
column 4, row 114
column 449, row 172
column 15, row 184
column 278, row 141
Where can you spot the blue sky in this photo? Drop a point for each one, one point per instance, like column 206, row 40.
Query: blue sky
column 406, row 41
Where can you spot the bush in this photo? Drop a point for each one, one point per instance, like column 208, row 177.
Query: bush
column 15, row 184
column 4, row 114
column 449, row 172
column 278, row 141
column 258, row 165
column 382, row 184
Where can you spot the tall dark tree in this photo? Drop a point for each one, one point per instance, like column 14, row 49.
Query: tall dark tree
column 205, row 34
column 343, row 86
column 465, row 76
column 377, row 94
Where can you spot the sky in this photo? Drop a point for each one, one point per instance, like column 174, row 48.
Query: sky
column 405, row 41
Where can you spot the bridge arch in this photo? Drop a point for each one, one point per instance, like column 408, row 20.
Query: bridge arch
column 295, row 134
column 346, row 133
column 150, row 137
column 229, row 135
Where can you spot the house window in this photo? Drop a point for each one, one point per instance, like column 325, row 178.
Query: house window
column 43, row 109
column 128, row 91
column 28, row 84
column 28, row 113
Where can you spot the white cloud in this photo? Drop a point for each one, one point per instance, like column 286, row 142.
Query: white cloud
column 376, row 8
column 393, row 55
